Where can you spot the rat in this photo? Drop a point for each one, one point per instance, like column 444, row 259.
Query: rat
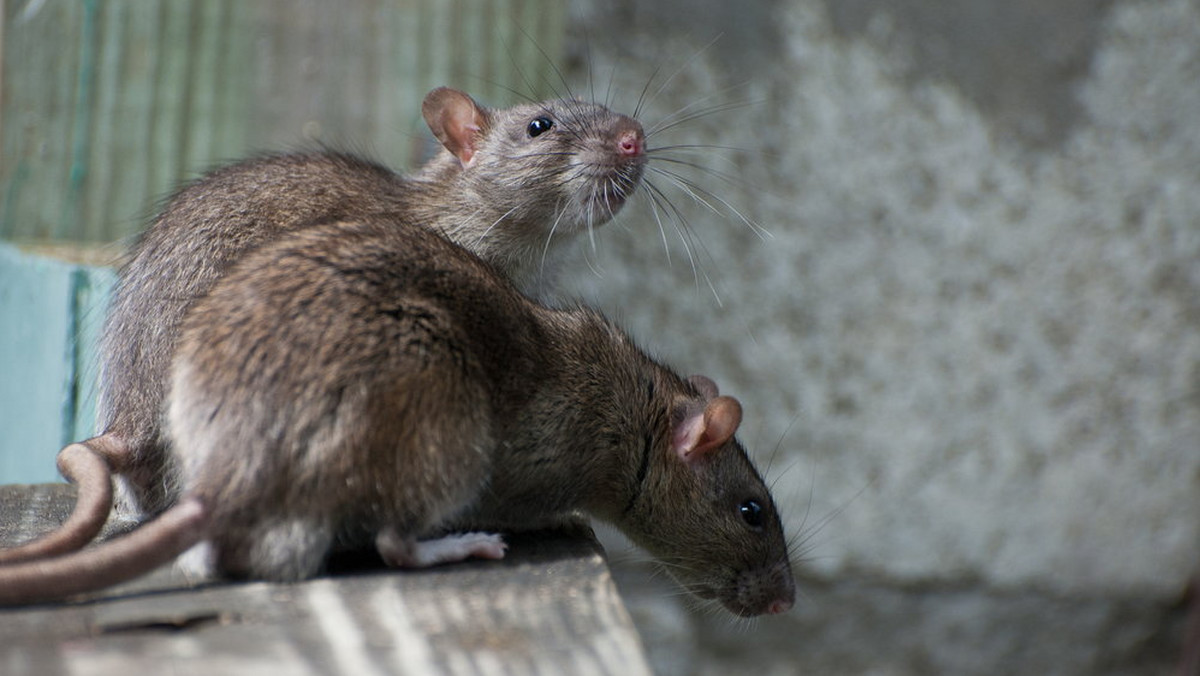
column 361, row 382
column 512, row 185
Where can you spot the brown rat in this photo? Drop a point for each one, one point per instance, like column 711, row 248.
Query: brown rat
column 361, row 383
column 511, row 185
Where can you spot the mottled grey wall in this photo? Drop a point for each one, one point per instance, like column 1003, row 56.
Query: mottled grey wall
column 972, row 338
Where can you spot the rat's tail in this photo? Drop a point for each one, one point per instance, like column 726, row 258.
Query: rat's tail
column 85, row 464
column 121, row 559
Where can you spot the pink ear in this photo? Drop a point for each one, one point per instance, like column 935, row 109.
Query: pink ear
column 702, row 432
column 456, row 120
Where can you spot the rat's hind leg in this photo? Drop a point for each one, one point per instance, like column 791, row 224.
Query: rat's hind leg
column 284, row 550
column 402, row 551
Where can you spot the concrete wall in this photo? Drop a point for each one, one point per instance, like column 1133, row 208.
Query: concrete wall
column 969, row 349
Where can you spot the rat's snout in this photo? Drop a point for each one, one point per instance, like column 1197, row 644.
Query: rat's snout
column 770, row 590
column 631, row 140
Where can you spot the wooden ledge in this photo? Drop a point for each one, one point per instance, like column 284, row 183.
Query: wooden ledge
column 549, row 607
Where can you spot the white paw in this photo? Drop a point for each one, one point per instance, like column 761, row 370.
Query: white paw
column 407, row 553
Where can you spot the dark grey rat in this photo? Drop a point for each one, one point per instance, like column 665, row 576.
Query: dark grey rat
column 511, row 185
column 362, row 383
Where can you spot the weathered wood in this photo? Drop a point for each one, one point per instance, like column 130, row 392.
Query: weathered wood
column 549, row 608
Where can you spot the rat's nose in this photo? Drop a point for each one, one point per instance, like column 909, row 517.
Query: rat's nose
column 631, row 144
column 779, row 606
column 631, row 140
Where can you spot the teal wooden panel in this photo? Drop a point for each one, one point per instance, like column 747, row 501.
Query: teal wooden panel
column 50, row 316
column 90, row 290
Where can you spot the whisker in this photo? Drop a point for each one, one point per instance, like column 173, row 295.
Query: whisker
column 549, row 62
column 655, row 155
column 691, row 237
column 805, row 537
column 637, row 108
column 654, row 207
column 593, row 266
column 812, row 485
column 691, row 59
column 779, row 443
column 679, row 222
column 587, row 49
column 669, row 123
column 512, row 58
column 675, row 223
column 488, row 230
column 792, row 465
column 700, row 194
column 550, row 236
column 608, row 93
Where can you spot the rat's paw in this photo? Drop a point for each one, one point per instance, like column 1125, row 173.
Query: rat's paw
column 401, row 552
column 479, row 545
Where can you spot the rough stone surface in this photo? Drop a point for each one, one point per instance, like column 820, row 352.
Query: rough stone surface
column 969, row 350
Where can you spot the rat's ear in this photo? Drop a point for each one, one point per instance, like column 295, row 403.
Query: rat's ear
column 456, row 120
column 703, row 431
column 704, row 385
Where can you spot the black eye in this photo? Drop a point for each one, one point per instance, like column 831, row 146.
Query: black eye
column 752, row 513
column 539, row 125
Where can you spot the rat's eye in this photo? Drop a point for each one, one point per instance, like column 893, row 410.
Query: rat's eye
column 539, row 125
column 752, row 513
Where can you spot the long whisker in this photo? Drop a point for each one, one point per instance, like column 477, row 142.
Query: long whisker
column 550, row 236
column 806, row 536
column 512, row 58
column 549, row 61
column 702, row 196
column 637, row 108
column 688, row 242
column 659, row 155
column 654, row 209
column 493, row 225
column 683, row 66
column 779, row 444
column 669, row 123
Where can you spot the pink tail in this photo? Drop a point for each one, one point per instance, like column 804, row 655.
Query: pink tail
column 83, row 465
column 121, row 559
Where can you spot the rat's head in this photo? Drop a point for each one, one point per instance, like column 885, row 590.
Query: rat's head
column 704, row 511
column 563, row 165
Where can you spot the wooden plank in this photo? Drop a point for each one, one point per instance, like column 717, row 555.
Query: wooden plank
column 549, row 608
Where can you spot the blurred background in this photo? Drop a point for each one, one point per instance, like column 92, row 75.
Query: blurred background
column 946, row 254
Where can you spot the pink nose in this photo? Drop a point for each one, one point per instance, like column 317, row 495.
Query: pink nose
column 630, row 143
column 779, row 606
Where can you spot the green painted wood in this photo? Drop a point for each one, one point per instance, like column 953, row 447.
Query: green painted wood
column 106, row 105
column 50, row 316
